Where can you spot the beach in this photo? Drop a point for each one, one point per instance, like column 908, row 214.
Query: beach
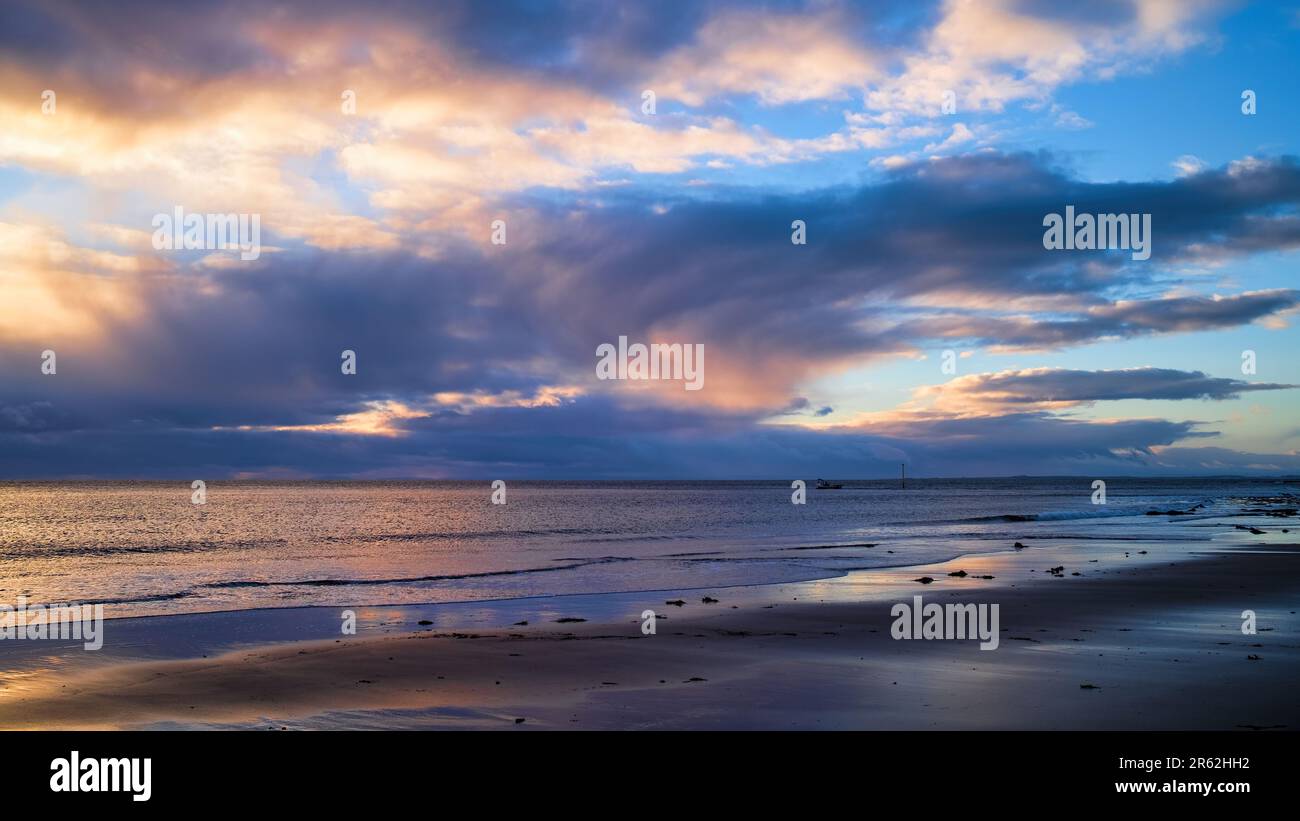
column 1134, row 635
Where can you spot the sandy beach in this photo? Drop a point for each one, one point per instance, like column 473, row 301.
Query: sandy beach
column 1127, row 635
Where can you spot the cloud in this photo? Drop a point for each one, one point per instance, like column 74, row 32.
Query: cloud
column 780, row 58
column 227, row 107
column 585, row 440
column 889, row 269
column 1188, row 164
column 1060, row 388
column 474, row 357
column 380, row 418
column 960, row 135
column 1122, row 319
column 436, row 130
column 993, row 53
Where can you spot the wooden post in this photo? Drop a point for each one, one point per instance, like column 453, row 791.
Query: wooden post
column 902, row 467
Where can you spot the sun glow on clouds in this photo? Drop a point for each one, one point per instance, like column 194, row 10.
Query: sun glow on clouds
column 53, row 289
column 434, row 134
column 779, row 58
column 668, row 227
column 384, row 417
column 380, row 418
column 547, row 396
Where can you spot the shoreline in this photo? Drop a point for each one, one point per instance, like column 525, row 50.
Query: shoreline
column 816, row 652
column 319, row 621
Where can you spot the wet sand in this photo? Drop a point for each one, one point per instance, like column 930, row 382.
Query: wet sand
column 1154, row 628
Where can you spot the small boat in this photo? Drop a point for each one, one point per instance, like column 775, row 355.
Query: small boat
column 822, row 484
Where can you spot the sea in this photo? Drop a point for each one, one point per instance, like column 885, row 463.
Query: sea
column 145, row 548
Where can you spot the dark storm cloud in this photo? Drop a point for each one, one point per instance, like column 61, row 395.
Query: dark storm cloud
column 154, row 58
column 31, row 418
column 1065, row 385
column 1014, row 444
column 589, row 43
column 104, row 42
column 263, row 345
column 260, row 345
column 958, row 234
column 1116, row 321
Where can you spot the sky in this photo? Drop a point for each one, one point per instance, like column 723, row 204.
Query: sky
column 473, row 198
